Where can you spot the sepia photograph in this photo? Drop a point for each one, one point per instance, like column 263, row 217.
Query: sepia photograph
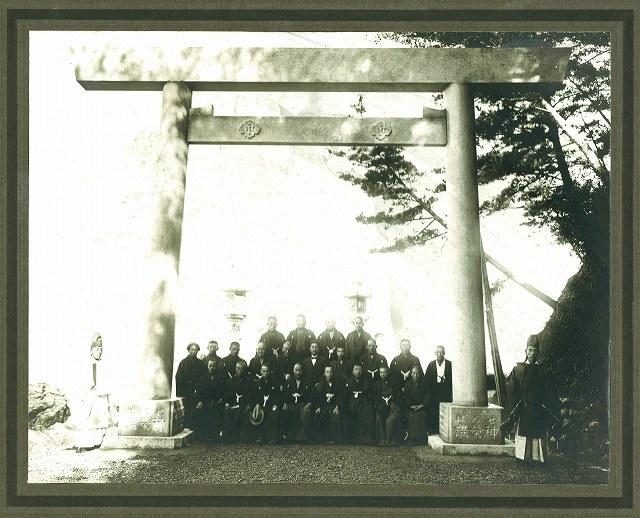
column 303, row 263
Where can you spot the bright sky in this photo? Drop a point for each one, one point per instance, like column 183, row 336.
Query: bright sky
column 274, row 220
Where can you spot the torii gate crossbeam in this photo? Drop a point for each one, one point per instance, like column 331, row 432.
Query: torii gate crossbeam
column 455, row 72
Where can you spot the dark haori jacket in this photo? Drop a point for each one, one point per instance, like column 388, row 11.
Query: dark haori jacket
column 329, row 396
column 267, row 393
column 256, row 364
column 358, row 393
column 285, row 366
column 273, row 341
column 214, row 356
column 239, row 390
column 210, row 388
column 402, row 364
column 342, row 370
column 292, row 393
column 329, row 344
column 415, row 393
column 532, row 395
column 356, row 345
column 371, row 364
column 229, row 365
column 438, row 390
column 386, row 394
column 300, row 340
column 311, row 372
column 189, row 372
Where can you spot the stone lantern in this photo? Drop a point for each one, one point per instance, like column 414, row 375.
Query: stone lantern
column 357, row 301
column 236, row 310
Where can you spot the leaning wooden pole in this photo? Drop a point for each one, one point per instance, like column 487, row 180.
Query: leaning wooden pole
column 501, row 385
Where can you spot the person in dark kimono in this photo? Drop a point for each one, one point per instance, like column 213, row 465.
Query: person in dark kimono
column 439, row 388
column 212, row 347
column 329, row 401
column 285, row 364
column 356, row 341
column 387, row 400
column 209, row 408
column 189, row 372
column 272, row 338
column 360, row 413
column 300, row 339
column 342, row 367
column 237, row 406
column 372, row 360
column 268, row 398
column 297, row 404
column 329, row 340
column 401, row 365
column 256, row 363
column 415, row 395
column 229, row 362
column 532, row 393
column 313, row 366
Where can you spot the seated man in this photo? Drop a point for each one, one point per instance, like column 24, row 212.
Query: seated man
column 285, row 363
column 360, row 411
column 387, row 400
column 329, row 399
column 256, row 363
column 268, row 398
column 210, row 395
column 342, row 367
column 296, row 409
column 313, row 366
column 372, row 361
column 237, row 406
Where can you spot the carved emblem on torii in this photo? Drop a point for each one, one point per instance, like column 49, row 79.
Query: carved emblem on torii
column 250, row 129
column 381, row 130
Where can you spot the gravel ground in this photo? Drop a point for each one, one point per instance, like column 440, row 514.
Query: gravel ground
column 207, row 463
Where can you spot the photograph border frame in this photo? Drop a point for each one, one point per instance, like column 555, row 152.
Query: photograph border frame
column 19, row 17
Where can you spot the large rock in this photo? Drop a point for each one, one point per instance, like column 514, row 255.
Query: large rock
column 47, row 406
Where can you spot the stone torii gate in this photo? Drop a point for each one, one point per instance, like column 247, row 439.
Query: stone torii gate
column 455, row 72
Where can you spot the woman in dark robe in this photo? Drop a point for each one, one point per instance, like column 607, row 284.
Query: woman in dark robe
column 415, row 394
column 189, row 372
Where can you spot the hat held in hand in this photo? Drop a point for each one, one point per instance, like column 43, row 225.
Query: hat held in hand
column 256, row 417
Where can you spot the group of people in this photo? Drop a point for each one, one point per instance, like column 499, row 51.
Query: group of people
column 303, row 388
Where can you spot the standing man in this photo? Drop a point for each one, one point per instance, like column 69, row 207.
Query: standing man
column 329, row 340
column 300, row 339
column 189, row 372
column 272, row 338
column 356, row 341
column 401, row 365
column 439, row 388
column 342, row 367
column 212, row 347
column 372, row 361
column 313, row 366
column 532, row 393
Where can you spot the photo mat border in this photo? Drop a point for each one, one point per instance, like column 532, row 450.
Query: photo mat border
column 19, row 21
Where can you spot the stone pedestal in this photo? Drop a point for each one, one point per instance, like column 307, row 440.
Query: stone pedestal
column 470, row 425
column 151, row 418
